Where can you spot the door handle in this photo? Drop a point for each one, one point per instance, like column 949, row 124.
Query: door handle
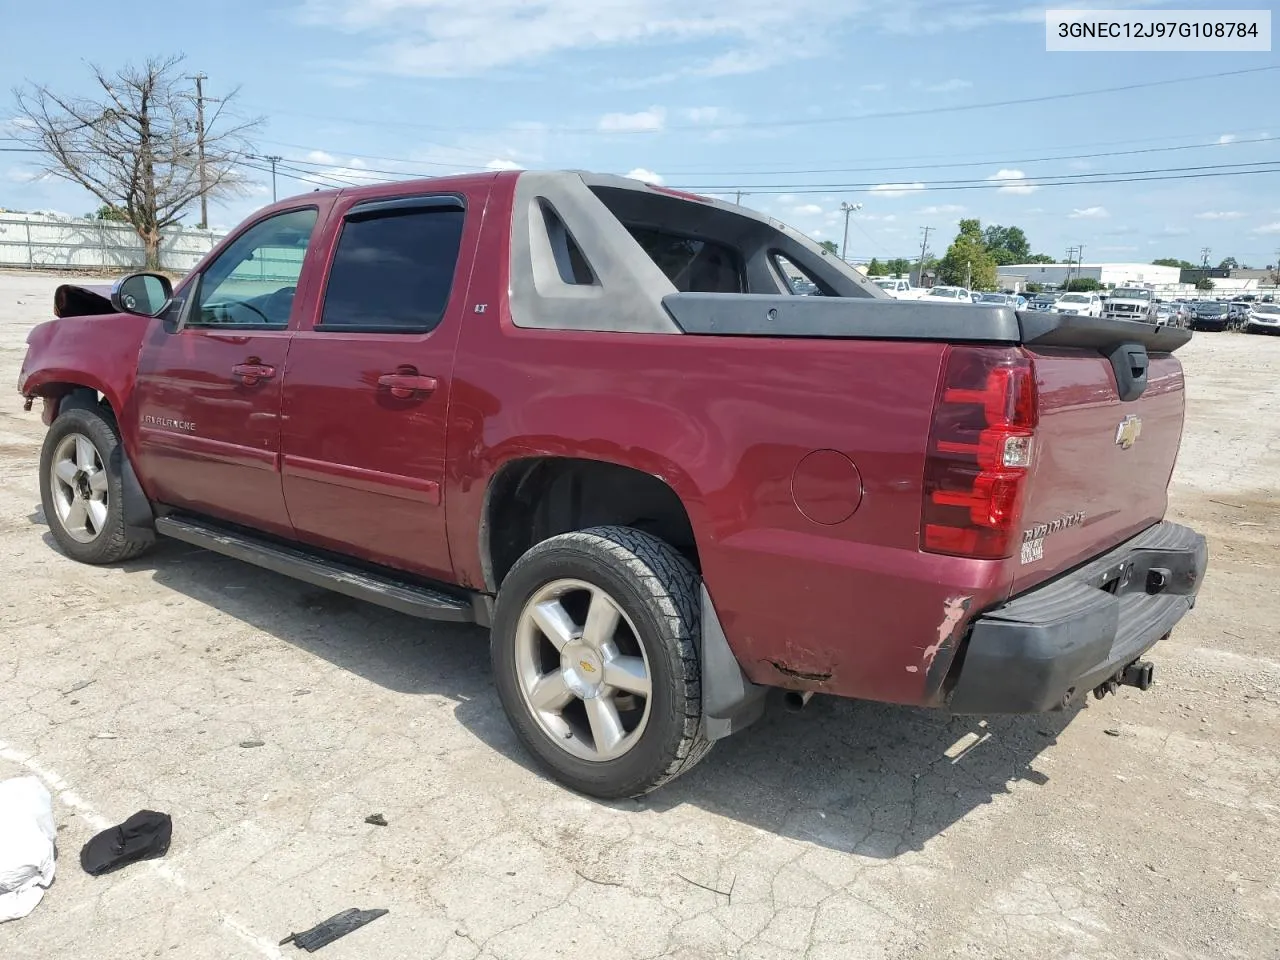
column 253, row 371
column 403, row 386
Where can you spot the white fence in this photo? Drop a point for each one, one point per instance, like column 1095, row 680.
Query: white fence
column 41, row 241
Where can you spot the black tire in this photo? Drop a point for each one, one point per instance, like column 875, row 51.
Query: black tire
column 114, row 541
column 659, row 591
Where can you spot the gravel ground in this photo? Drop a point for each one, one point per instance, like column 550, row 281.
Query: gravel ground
column 1146, row 825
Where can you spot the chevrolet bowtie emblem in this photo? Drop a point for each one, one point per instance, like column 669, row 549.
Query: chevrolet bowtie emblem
column 1128, row 432
column 585, row 665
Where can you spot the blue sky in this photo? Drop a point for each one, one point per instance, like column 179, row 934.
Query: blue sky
column 715, row 96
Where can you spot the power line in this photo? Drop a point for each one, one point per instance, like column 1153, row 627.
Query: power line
column 974, row 163
column 810, row 121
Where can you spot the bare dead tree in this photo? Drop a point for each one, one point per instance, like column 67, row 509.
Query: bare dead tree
column 136, row 147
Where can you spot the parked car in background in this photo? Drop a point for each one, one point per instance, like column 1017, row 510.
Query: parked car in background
column 1043, row 302
column 1168, row 315
column 1210, row 315
column 897, row 288
column 1080, row 305
column 1263, row 318
column 1131, row 303
column 949, row 295
column 1014, row 300
column 579, row 411
column 1239, row 310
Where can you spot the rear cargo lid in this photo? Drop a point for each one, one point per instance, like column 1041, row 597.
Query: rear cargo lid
column 1101, row 465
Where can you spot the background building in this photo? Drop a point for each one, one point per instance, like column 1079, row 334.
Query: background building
column 1108, row 274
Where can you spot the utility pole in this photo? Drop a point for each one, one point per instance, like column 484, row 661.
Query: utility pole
column 1204, row 256
column 199, row 78
column 847, row 208
column 1071, row 255
column 737, row 197
column 924, row 248
column 273, row 160
column 968, row 273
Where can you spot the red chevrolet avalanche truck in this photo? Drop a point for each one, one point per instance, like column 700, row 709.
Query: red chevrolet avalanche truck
column 598, row 417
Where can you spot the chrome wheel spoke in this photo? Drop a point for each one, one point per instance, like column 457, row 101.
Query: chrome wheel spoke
column 76, row 515
column 65, row 471
column 549, row 693
column 98, row 482
column 602, row 621
column 606, row 726
column 627, row 674
column 97, row 514
column 86, row 455
column 555, row 623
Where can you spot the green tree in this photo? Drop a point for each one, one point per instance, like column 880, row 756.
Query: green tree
column 875, row 268
column 108, row 212
column 897, row 267
column 1204, row 284
column 1040, row 258
column 1035, row 288
column 831, row 247
column 1006, row 244
column 967, row 259
column 1082, row 285
column 1172, row 262
column 1230, row 263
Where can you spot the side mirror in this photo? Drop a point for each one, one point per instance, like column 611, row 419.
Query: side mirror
column 142, row 294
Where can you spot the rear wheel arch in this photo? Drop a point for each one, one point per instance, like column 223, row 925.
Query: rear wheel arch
column 532, row 499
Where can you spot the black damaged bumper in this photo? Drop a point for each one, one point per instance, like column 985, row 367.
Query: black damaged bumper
column 1041, row 650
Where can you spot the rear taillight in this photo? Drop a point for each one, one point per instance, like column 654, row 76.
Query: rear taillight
column 980, row 450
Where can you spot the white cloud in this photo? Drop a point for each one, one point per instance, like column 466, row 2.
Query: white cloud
column 500, row 164
column 882, row 217
column 648, row 176
column 19, row 175
column 319, row 156
column 807, row 210
column 949, row 86
column 1226, row 138
column 1268, row 228
column 897, row 189
column 645, row 121
column 1088, row 213
column 463, row 38
column 873, row 87
column 1011, row 180
column 1220, row 215
column 942, row 210
column 1175, row 232
column 787, row 198
column 702, row 114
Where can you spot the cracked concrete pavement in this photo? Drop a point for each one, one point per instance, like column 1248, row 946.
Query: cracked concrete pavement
column 1140, row 826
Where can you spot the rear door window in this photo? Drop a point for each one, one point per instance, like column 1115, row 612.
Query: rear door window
column 393, row 268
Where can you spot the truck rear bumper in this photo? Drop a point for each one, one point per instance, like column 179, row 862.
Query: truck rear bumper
column 1041, row 650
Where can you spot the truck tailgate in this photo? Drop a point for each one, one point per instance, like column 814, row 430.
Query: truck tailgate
column 1101, row 467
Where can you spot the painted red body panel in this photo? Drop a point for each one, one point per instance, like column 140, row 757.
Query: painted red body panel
column 848, row 606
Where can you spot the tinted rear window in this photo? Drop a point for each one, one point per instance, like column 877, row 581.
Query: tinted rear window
column 393, row 273
column 691, row 264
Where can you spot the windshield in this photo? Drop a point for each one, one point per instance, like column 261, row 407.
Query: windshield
column 1268, row 309
column 950, row 292
column 887, row 284
column 1211, row 308
column 1130, row 293
column 1074, row 298
column 994, row 298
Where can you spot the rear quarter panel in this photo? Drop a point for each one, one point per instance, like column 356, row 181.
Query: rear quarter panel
column 852, row 608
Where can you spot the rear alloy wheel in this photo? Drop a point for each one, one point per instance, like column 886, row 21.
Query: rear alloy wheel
column 82, row 490
column 595, row 645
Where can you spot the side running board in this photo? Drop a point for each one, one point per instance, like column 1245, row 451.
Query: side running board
column 386, row 591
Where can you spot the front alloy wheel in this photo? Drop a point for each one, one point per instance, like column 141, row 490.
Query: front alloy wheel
column 79, row 489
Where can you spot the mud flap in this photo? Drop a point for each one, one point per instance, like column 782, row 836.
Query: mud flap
column 730, row 701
